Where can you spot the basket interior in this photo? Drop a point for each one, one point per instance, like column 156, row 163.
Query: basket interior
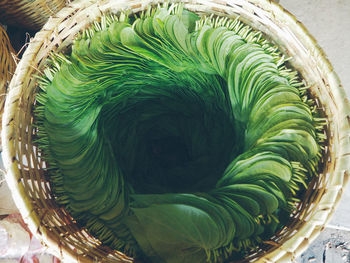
column 28, row 175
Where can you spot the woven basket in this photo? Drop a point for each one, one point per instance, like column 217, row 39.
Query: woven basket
column 7, row 66
column 30, row 14
column 26, row 174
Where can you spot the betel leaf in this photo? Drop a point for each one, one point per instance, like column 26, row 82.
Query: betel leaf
column 176, row 138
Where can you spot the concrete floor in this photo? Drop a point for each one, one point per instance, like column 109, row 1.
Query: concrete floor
column 329, row 22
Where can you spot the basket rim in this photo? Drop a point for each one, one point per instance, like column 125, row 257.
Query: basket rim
column 293, row 247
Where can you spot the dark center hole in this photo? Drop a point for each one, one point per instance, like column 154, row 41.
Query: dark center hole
column 183, row 157
column 169, row 152
column 172, row 145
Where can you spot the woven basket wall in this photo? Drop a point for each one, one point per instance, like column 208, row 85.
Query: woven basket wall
column 7, row 66
column 30, row 14
column 26, row 174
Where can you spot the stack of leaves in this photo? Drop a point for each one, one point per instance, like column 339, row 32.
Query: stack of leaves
column 176, row 138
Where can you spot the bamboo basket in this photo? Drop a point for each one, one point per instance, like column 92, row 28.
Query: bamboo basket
column 29, row 14
column 26, row 170
column 7, row 66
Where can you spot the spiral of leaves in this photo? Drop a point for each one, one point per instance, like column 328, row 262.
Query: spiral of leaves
column 218, row 90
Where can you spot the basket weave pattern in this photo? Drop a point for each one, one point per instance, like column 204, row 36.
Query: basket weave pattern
column 28, row 14
column 7, row 66
column 26, row 174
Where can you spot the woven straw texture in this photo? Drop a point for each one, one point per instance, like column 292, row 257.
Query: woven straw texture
column 7, row 66
column 26, row 171
column 30, row 14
